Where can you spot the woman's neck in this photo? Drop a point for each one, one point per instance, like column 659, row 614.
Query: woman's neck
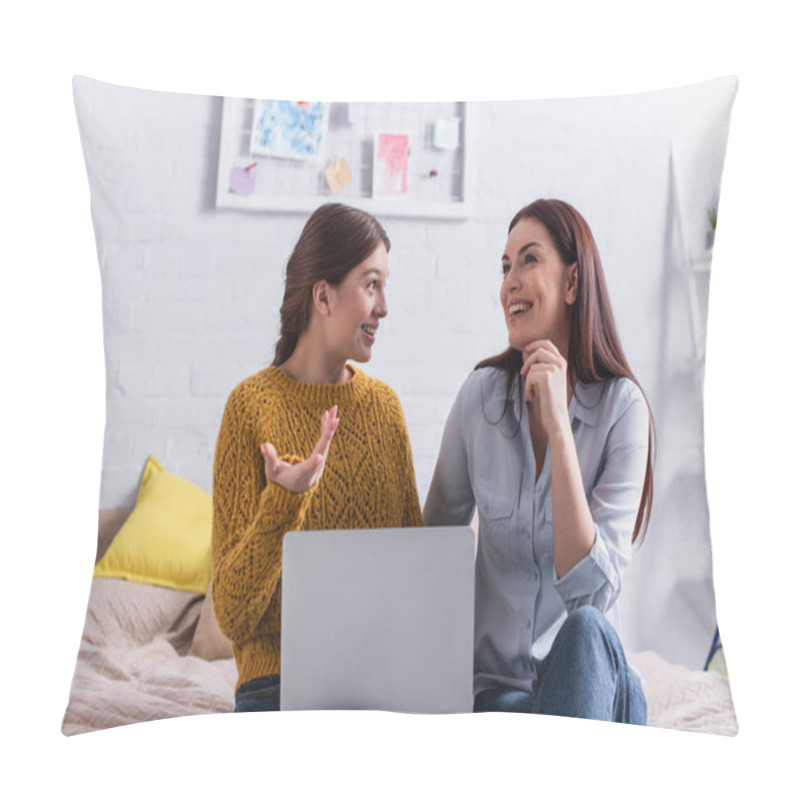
column 310, row 363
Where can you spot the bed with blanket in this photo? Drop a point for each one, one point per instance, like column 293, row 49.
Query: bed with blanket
column 152, row 652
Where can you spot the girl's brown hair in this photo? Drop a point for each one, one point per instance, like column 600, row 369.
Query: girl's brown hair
column 595, row 351
column 335, row 239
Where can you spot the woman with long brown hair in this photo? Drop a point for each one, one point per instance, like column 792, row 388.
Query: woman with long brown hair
column 311, row 442
column 553, row 441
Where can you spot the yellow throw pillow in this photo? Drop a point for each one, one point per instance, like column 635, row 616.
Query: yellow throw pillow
column 166, row 540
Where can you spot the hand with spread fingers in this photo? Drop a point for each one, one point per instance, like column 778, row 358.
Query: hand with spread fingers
column 546, row 384
column 304, row 475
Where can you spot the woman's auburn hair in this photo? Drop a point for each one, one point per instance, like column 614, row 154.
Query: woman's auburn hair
column 335, row 238
column 595, row 351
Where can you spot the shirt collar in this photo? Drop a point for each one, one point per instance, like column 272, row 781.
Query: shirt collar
column 585, row 403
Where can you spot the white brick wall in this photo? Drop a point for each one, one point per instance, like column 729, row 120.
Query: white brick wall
column 191, row 294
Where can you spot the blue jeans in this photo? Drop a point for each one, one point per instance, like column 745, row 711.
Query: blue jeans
column 584, row 675
column 260, row 694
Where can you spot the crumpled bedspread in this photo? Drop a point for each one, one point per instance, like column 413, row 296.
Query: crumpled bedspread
column 118, row 686
column 689, row 700
column 132, row 664
column 133, row 667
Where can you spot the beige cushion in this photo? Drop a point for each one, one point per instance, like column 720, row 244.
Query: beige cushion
column 109, row 521
column 127, row 614
column 209, row 642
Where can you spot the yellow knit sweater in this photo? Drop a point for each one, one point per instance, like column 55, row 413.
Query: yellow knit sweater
column 368, row 482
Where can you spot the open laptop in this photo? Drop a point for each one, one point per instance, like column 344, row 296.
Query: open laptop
column 379, row 619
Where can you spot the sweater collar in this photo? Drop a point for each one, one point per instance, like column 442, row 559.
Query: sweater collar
column 325, row 394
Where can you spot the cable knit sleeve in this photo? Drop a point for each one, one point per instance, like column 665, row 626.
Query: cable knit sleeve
column 412, row 514
column 250, row 519
column 412, row 517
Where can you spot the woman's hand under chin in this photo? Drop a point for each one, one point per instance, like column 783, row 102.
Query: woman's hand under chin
column 546, row 386
column 304, row 475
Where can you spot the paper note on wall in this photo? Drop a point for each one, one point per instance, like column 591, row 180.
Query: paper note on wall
column 446, row 133
column 243, row 179
column 355, row 113
column 288, row 129
column 337, row 175
column 390, row 165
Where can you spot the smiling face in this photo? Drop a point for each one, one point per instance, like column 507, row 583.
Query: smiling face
column 357, row 305
column 538, row 289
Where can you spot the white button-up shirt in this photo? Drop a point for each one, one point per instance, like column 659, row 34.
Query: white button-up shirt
column 520, row 604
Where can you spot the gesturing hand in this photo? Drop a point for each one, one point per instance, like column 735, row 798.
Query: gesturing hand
column 302, row 476
column 545, row 373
